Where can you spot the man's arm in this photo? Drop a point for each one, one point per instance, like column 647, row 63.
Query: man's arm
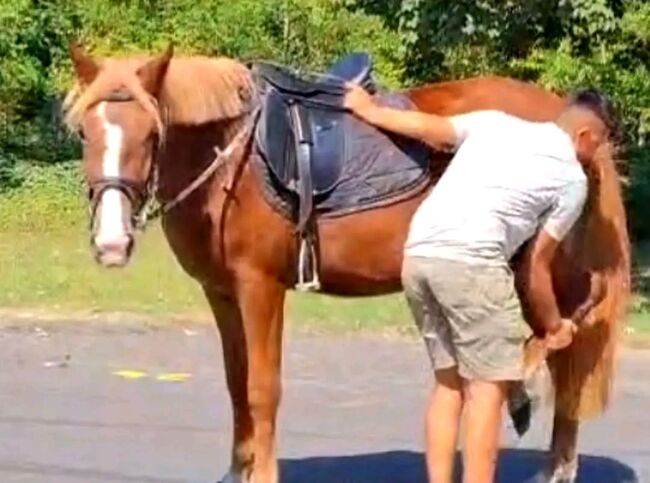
column 538, row 283
column 538, row 286
column 436, row 131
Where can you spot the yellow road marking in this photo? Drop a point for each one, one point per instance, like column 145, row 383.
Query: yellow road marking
column 130, row 374
column 174, row 377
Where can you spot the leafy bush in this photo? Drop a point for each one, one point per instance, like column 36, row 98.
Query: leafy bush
column 50, row 198
column 35, row 69
column 308, row 34
column 563, row 44
column 32, row 39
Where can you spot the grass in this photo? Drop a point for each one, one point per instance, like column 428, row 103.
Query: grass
column 639, row 319
column 55, row 271
column 45, row 258
column 46, row 264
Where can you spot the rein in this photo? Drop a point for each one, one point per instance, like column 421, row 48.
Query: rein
column 142, row 198
column 152, row 212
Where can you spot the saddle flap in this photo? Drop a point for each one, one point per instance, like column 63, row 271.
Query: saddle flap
column 275, row 139
column 321, row 131
column 328, row 147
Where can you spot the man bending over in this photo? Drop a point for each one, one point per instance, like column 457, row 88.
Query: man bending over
column 509, row 181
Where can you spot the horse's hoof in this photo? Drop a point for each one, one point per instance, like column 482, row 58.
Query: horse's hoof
column 233, row 478
column 565, row 473
column 562, row 480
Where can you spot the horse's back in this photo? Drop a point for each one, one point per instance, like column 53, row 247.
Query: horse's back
column 515, row 97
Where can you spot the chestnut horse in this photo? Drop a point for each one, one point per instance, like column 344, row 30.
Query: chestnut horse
column 163, row 118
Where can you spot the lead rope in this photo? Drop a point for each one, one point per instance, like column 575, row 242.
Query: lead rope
column 152, row 210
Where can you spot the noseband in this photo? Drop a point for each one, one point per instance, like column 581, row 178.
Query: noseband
column 133, row 191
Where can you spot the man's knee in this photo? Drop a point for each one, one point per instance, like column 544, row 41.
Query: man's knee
column 485, row 390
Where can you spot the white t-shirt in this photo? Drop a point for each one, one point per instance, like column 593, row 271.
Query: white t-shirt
column 509, row 177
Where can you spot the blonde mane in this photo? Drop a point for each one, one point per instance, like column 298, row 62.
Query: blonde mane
column 195, row 90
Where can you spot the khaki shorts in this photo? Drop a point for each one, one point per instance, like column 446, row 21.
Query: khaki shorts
column 469, row 316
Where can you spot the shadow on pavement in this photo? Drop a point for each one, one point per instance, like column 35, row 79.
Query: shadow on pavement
column 515, row 466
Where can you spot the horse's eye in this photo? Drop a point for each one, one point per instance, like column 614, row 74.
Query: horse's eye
column 81, row 135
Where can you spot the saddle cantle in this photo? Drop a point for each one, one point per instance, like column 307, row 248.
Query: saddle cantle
column 320, row 159
column 355, row 67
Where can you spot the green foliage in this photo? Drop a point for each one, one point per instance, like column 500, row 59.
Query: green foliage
column 35, row 70
column 562, row 44
column 32, row 39
column 589, row 22
column 307, row 34
column 560, row 69
column 49, row 198
column 639, row 193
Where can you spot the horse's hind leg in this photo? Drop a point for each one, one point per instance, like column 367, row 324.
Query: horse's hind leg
column 564, row 455
column 228, row 318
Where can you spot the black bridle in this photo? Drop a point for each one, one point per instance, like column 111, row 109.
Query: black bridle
column 141, row 195
column 132, row 190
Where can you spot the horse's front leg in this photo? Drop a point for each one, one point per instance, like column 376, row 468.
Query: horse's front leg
column 564, row 454
column 261, row 302
column 228, row 317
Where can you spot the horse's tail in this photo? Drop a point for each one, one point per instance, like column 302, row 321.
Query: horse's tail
column 584, row 372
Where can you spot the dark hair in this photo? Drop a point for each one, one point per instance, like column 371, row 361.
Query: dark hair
column 601, row 106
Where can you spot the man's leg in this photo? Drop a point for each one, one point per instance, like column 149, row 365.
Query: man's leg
column 483, row 332
column 483, row 403
column 442, row 421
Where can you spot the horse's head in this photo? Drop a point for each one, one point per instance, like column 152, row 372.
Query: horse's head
column 115, row 111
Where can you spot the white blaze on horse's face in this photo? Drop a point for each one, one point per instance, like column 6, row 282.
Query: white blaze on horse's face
column 112, row 240
column 120, row 123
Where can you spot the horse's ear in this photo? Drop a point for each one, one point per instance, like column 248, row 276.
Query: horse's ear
column 85, row 67
column 153, row 72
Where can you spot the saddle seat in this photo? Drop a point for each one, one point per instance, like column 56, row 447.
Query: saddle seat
column 326, row 89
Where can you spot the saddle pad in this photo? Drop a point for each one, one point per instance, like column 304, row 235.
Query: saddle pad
column 377, row 169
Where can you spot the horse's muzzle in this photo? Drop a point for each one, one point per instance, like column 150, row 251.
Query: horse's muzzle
column 113, row 253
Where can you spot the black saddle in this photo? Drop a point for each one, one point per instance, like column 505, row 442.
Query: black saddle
column 302, row 126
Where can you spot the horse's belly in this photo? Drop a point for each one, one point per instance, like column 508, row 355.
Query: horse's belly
column 361, row 254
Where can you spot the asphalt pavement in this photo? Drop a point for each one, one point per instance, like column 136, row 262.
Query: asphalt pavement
column 98, row 402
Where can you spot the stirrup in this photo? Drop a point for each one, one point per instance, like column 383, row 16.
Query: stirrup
column 307, row 268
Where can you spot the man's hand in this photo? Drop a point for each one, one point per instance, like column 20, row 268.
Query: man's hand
column 536, row 349
column 562, row 336
column 436, row 131
column 358, row 100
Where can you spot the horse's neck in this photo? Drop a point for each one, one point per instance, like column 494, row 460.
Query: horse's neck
column 189, row 150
